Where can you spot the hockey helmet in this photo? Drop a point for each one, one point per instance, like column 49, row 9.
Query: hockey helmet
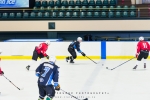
column 52, row 59
column 79, row 39
column 48, row 42
column 141, row 38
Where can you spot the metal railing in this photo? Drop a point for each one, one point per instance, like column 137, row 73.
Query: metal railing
column 119, row 39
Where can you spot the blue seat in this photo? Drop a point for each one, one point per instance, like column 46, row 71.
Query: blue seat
column 51, row 3
column 105, row 3
column 39, row 15
column 83, row 8
column 78, row 3
column 89, row 15
column 96, row 14
column 97, row 9
column 49, row 9
column 37, row 3
column 104, row 8
column 68, row 15
column 90, row 9
column 44, row 3
column 32, row 15
column 111, row 14
column 91, row 3
column 111, row 8
column 98, row 3
column 12, row 15
column 42, row 9
column 63, row 9
column 61, row 15
column 118, row 8
column 118, row 14
column 82, row 14
column 54, row 15
column 25, row 15
column 132, row 8
column 70, row 9
column 103, row 14
column 35, row 9
column 77, row 9
column 112, row 2
column 126, row 8
column 75, row 15
column 18, row 15
column 65, row 3
column 125, row 14
column 58, row 3
column 71, row 3
column 5, row 15
column 46, row 15
column 56, row 9
column 132, row 14
column 85, row 3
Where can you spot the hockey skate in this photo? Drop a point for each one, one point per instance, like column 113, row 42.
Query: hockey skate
column 67, row 58
column 71, row 61
column 28, row 67
column 135, row 67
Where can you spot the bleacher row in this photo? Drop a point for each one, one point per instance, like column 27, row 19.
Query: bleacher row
column 72, row 9
column 75, row 3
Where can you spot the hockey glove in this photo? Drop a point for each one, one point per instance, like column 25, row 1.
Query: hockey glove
column 83, row 54
column 57, row 86
column 1, row 73
column 47, row 57
column 137, row 55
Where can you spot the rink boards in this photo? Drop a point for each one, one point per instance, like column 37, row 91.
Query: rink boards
column 95, row 50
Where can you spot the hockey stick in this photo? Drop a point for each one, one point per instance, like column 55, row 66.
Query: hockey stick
column 73, row 96
column 91, row 59
column 13, row 83
column 120, row 64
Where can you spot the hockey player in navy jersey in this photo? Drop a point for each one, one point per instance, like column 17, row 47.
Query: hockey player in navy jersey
column 74, row 45
column 48, row 72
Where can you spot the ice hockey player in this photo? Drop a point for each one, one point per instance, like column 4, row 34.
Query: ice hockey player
column 1, row 72
column 143, row 49
column 39, row 51
column 48, row 72
column 74, row 45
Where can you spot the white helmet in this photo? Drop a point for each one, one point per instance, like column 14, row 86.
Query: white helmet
column 79, row 39
column 141, row 38
column 52, row 59
column 48, row 42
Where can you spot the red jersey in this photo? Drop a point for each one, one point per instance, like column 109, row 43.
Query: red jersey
column 143, row 45
column 0, row 70
column 42, row 48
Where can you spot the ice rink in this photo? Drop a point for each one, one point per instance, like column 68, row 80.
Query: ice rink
column 82, row 79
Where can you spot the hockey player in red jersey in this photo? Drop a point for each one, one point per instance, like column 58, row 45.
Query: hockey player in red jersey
column 1, row 72
column 39, row 51
column 143, row 49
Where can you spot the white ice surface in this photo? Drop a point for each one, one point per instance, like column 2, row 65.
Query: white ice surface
column 84, row 76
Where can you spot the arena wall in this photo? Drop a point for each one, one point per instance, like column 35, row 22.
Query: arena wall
column 95, row 50
column 24, row 50
column 76, row 25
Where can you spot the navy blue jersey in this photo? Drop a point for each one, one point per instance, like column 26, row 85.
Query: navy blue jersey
column 47, row 72
column 75, row 45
